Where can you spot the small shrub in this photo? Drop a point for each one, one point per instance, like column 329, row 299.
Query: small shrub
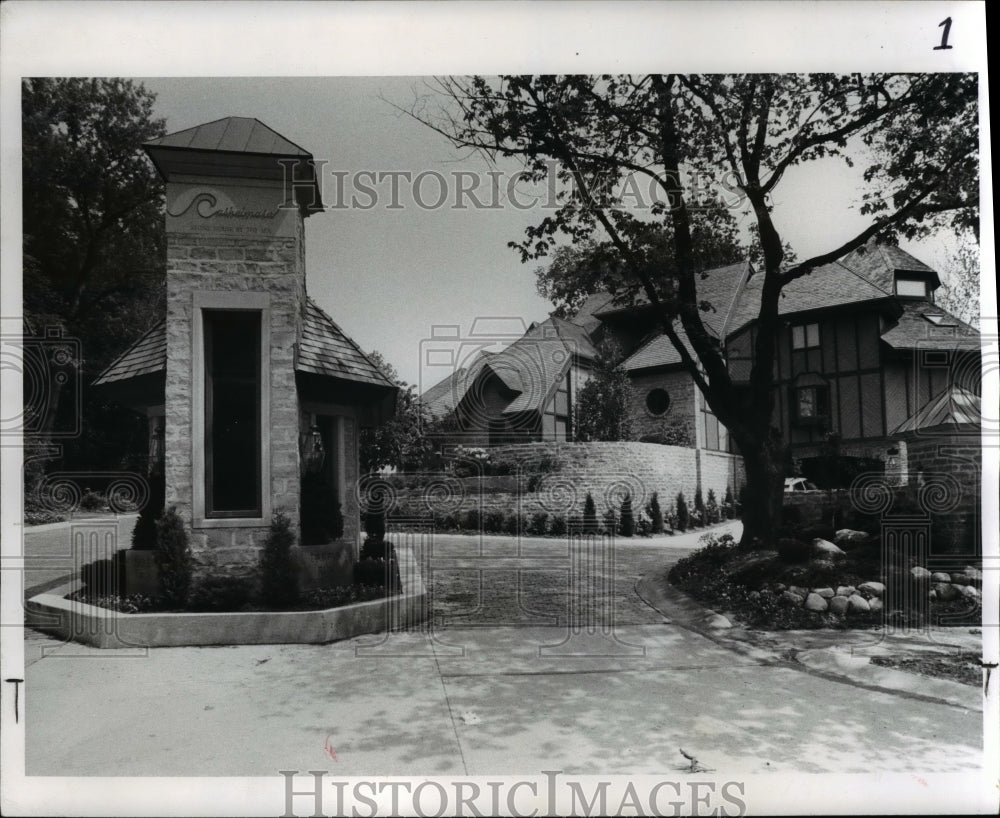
column 627, row 525
column 712, row 514
column 493, row 522
column 589, row 515
column 557, row 528
column 173, row 558
column 643, row 527
column 221, row 594
column 610, row 521
column 539, row 524
column 279, row 583
column 515, row 524
column 375, row 523
column 471, row 520
column 104, row 577
column 655, row 514
column 144, row 533
column 449, row 522
column 534, row 482
column 342, row 595
column 794, row 551
column 92, row 501
column 699, row 503
column 728, row 505
column 683, row 516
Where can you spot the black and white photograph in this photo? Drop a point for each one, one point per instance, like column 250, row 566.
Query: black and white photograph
column 510, row 409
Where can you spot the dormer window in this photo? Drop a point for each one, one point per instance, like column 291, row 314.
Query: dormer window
column 910, row 286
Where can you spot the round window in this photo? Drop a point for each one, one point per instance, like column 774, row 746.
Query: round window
column 657, row 401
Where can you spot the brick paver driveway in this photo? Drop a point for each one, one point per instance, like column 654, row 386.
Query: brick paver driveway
column 496, row 580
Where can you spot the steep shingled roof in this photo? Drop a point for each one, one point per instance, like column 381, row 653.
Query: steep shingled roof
column 324, row 349
column 914, row 329
column 146, row 356
column 720, row 287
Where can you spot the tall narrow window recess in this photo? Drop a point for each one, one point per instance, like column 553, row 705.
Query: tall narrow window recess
column 805, row 336
column 232, row 413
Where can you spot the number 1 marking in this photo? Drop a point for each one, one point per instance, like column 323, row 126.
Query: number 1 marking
column 946, row 22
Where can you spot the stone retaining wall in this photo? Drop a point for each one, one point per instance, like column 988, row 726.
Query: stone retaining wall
column 605, row 470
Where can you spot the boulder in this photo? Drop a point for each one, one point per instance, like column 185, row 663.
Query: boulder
column 932, row 595
column 959, row 578
column 826, row 593
column 718, row 622
column 940, row 576
column 975, row 576
column 857, row 603
column 838, row 605
column 848, row 538
column 969, row 592
column 875, row 603
column 798, row 590
column 846, row 590
column 945, row 591
column 824, row 549
column 871, row 589
column 919, row 573
column 791, row 599
column 814, row 602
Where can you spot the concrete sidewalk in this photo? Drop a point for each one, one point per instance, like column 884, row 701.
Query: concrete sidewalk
column 449, row 700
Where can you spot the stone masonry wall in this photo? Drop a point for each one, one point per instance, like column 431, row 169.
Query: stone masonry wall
column 606, row 470
column 214, row 263
column 679, row 417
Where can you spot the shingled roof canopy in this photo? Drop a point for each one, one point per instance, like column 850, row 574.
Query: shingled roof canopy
column 236, row 147
column 955, row 407
column 324, row 350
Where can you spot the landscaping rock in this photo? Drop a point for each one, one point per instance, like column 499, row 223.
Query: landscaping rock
column 940, row 576
column 975, row 576
column 919, row 573
column 719, row 622
column 814, row 602
column 838, row 605
column 871, row 589
column 798, row 590
column 946, row 591
column 959, row 578
column 848, row 538
column 826, row 593
column 857, row 603
column 875, row 603
column 791, row 599
column 846, row 590
column 826, row 549
column 932, row 595
column 970, row 592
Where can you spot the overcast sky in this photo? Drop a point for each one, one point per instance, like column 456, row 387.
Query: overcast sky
column 388, row 274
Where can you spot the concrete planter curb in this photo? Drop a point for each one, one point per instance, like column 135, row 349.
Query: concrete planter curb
column 104, row 628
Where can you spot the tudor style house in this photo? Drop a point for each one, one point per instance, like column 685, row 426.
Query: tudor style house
column 247, row 383
column 863, row 352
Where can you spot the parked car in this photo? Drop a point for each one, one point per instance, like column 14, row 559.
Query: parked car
column 798, row 484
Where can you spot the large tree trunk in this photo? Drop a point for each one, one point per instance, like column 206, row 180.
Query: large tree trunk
column 764, row 462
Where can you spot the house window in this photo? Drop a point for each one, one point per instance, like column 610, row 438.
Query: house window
column 232, row 430
column 911, row 286
column 658, row 402
column 805, row 336
column 811, row 404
